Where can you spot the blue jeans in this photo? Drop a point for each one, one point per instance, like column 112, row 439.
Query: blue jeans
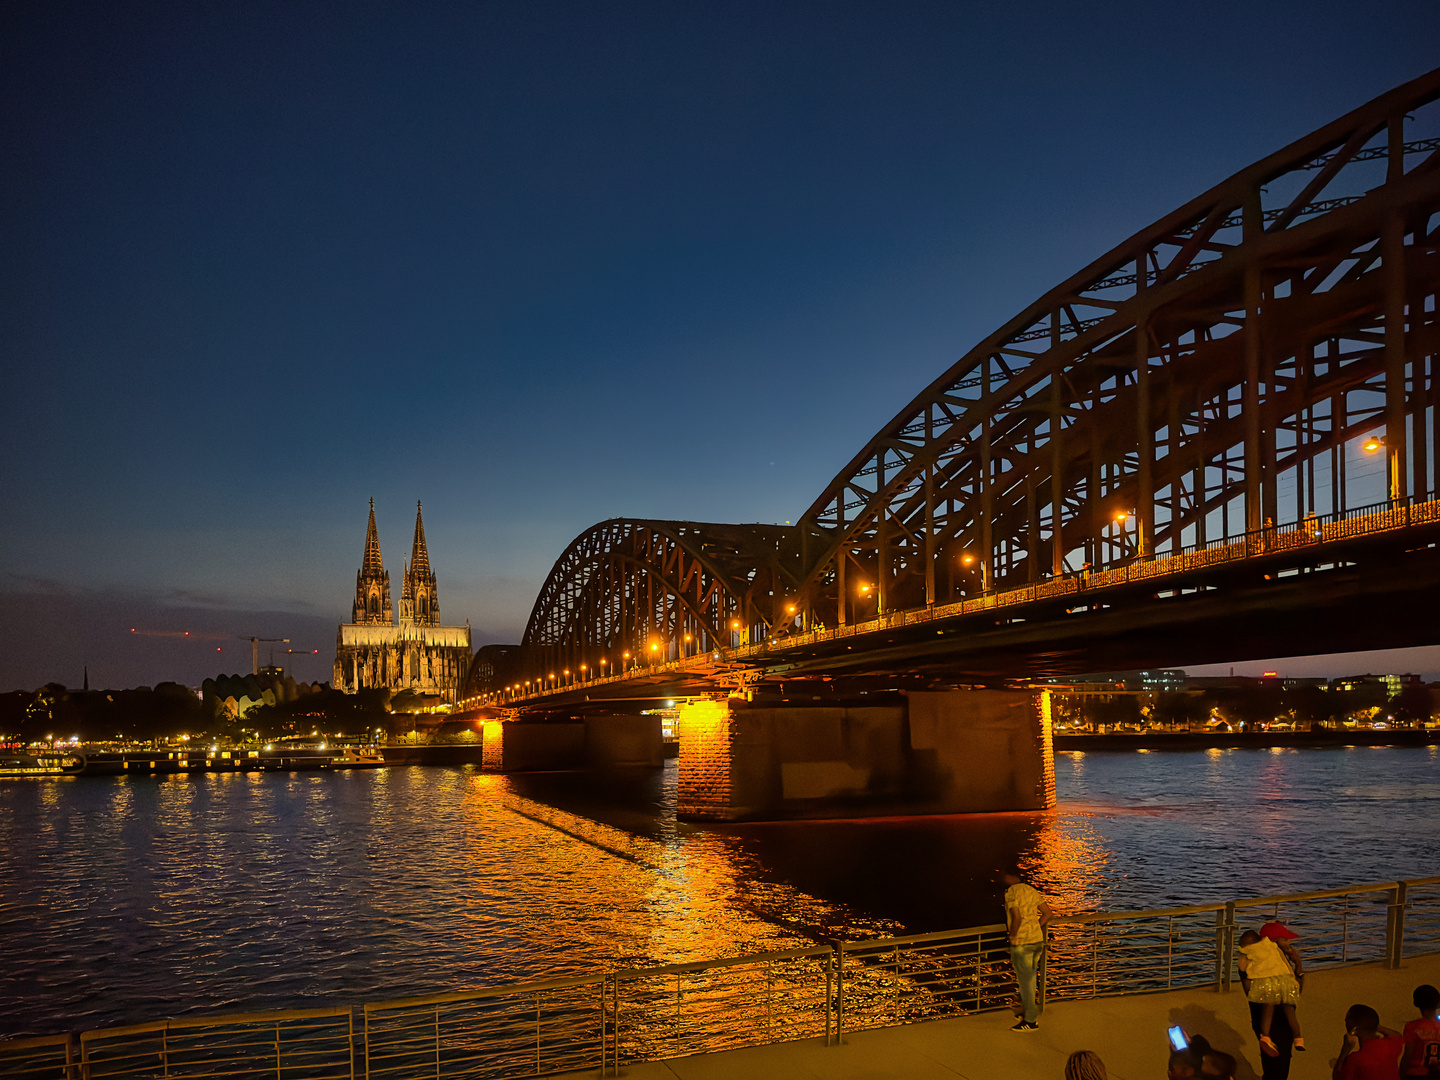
column 1027, row 960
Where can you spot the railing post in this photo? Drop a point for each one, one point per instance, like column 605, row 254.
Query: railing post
column 839, row 990
column 1227, row 945
column 1042, row 976
column 829, row 992
column 1395, row 925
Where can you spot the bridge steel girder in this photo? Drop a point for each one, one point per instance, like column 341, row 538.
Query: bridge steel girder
column 1207, row 376
column 626, row 585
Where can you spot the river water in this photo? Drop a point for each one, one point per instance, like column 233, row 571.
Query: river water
column 132, row 899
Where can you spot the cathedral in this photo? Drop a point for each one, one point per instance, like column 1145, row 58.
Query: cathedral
column 417, row 653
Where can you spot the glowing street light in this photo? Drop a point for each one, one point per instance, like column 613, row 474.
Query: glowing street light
column 1372, row 444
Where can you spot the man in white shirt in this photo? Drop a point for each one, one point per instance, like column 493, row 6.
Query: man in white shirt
column 1027, row 913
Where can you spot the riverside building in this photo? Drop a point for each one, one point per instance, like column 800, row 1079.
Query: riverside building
column 417, row 652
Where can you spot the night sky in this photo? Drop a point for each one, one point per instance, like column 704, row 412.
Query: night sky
column 538, row 265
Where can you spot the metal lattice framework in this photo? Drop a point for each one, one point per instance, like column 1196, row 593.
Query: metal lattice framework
column 1215, row 373
column 683, row 587
column 1208, row 375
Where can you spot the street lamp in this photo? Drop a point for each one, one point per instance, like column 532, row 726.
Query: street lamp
column 967, row 560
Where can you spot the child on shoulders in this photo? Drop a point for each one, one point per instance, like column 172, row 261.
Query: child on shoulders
column 1272, row 968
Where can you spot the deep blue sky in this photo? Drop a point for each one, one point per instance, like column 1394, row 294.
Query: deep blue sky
column 539, row 265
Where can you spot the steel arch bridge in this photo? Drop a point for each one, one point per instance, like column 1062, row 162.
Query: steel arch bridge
column 626, row 588
column 1263, row 354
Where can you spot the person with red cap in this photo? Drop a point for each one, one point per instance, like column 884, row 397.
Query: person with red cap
column 1272, row 972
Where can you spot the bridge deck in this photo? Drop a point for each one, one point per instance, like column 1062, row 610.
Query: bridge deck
column 1127, row 1032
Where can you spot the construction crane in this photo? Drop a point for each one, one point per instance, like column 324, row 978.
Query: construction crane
column 255, row 650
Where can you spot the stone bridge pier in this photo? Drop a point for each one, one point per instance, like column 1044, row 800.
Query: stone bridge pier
column 949, row 752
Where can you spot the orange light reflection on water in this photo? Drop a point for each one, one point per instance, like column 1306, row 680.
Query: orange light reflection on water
column 599, row 891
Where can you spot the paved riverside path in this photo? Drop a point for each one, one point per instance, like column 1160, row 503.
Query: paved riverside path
column 1127, row 1032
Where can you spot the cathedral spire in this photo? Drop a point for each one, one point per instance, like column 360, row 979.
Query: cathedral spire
column 372, row 564
column 419, row 557
column 372, row 583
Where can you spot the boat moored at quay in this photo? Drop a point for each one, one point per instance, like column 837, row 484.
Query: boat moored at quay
column 82, row 762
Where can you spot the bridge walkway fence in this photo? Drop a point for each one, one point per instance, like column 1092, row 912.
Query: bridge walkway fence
column 622, row 1017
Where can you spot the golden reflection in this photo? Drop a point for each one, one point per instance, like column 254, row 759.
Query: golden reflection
column 1067, row 862
column 631, row 900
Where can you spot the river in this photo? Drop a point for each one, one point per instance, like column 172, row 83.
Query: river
column 131, row 899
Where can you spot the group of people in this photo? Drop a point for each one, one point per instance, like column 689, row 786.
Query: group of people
column 1272, row 975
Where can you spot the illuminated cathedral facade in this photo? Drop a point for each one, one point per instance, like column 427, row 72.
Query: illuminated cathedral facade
column 417, row 652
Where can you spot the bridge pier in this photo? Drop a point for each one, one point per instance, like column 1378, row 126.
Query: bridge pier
column 600, row 742
column 950, row 752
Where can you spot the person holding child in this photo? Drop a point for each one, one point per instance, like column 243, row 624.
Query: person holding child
column 1272, row 972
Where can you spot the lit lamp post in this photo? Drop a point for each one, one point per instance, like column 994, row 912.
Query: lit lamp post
column 625, row 663
column 968, row 561
column 1121, row 517
column 1373, row 445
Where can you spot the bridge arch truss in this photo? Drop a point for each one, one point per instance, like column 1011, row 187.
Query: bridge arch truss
column 1229, row 368
column 657, row 590
column 1216, row 372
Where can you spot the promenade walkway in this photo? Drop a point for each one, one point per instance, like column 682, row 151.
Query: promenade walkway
column 1127, row 1032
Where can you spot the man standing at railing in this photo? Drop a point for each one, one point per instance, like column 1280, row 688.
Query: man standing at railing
column 1027, row 913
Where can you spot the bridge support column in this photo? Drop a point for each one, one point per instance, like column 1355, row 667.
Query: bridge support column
column 964, row 751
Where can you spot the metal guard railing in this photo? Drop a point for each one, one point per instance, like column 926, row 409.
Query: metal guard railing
column 619, row 1018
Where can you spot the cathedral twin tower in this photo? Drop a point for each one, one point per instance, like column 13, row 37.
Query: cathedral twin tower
column 418, row 654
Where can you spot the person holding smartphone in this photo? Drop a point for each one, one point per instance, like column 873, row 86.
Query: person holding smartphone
column 1370, row 1051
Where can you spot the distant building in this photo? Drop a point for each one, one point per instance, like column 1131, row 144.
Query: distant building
column 418, row 654
column 1151, row 680
column 1395, row 683
column 1381, row 682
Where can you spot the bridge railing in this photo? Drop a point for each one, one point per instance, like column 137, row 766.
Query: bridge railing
column 525, row 1030
column 1309, row 531
column 301, row 1044
column 713, row 1005
column 621, row 1017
